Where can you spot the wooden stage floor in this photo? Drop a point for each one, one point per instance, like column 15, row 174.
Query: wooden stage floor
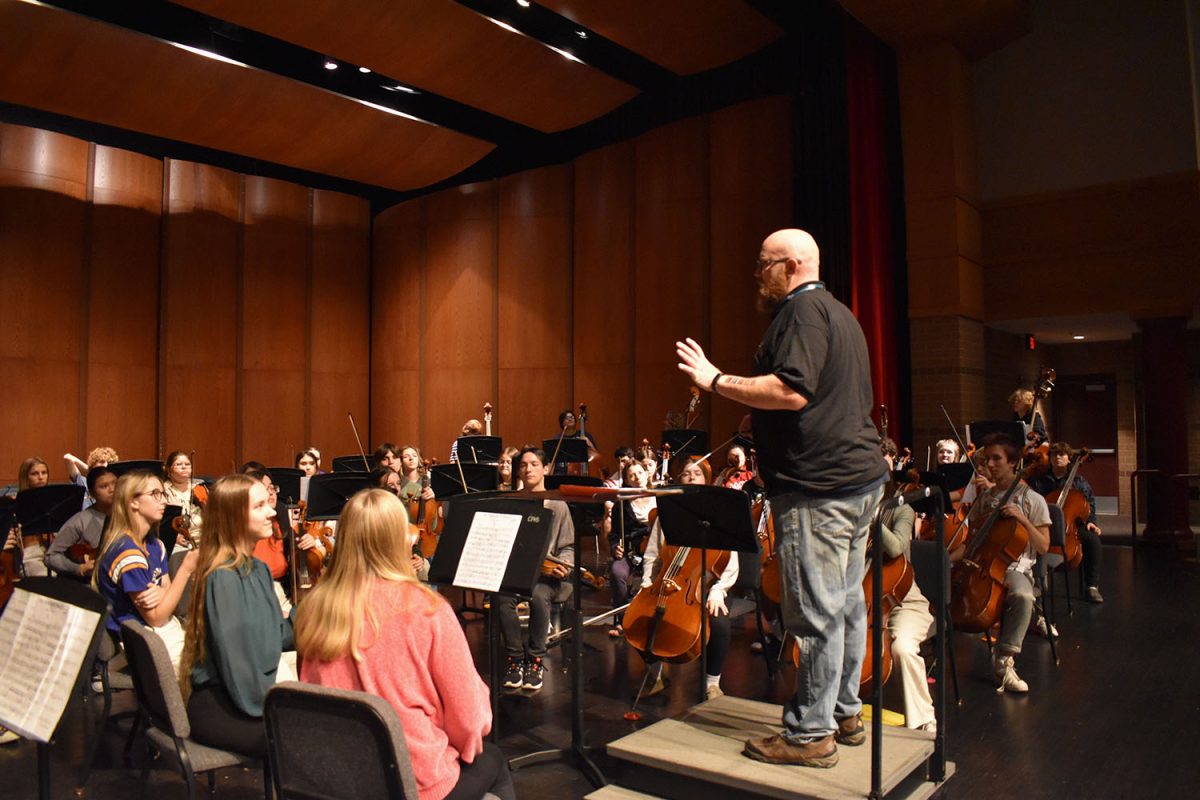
column 1090, row 727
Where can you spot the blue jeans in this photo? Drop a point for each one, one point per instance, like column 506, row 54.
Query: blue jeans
column 822, row 549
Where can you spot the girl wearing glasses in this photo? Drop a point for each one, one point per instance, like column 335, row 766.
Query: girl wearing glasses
column 180, row 488
column 132, row 565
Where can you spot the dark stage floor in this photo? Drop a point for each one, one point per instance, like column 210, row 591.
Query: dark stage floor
column 1088, row 728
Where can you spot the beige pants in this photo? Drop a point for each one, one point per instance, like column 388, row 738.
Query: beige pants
column 911, row 623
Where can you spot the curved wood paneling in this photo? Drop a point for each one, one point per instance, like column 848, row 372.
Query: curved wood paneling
column 274, row 324
column 750, row 167
column 671, row 258
column 603, row 287
column 535, row 303
column 341, row 330
column 43, row 179
column 682, row 35
column 441, row 47
column 68, row 64
column 123, row 297
column 200, row 315
column 397, row 277
column 459, row 368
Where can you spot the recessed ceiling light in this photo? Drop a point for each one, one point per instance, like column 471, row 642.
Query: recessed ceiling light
column 581, row 34
column 330, row 65
column 1077, row 338
column 399, row 87
column 523, row 3
column 364, row 70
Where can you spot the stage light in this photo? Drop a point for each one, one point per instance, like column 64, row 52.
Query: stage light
column 523, row 3
column 581, row 34
column 330, row 65
column 399, row 87
column 1077, row 338
column 364, row 70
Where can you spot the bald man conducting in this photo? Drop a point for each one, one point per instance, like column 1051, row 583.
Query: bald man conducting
column 810, row 400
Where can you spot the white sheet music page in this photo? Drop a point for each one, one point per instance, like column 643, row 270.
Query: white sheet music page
column 486, row 551
column 43, row 643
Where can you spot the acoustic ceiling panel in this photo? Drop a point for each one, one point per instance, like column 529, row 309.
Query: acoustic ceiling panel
column 684, row 36
column 67, row 64
column 441, row 47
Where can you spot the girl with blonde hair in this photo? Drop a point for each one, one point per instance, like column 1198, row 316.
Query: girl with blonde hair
column 236, row 633
column 370, row 626
column 131, row 566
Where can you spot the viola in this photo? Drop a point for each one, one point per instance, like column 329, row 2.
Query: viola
column 663, row 620
column 550, row 564
column 310, row 566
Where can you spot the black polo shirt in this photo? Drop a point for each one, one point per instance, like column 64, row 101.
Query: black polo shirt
column 830, row 447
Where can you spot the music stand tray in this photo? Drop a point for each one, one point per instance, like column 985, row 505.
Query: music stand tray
column 686, row 441
column 288, row 481
column 46, row 508
column 479, row 449
column 981, row 429
column 328, row 493
column 446, row 483
column 119, row 468
column 956, row 476
column 351, row 464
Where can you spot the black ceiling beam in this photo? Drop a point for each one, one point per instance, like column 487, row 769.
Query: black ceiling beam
column 180, row 25
column 567, row 36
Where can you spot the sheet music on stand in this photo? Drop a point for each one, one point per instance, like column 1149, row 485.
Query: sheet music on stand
column 43, row 643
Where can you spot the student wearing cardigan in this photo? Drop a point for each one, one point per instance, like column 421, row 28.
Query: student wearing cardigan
column 236, row 633
column 370, row 626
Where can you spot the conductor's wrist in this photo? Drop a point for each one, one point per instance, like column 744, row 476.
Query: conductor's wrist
column 712, row 386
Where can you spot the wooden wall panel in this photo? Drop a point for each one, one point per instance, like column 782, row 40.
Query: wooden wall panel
column 459, row 313
column 397, row 270
column 123, row 296
column 750, row 168
column 43, row 189
column 341, row 321
column 671, row 258
column 197, row 407
column 603, row 286
column 275, row 325
column 534, row 273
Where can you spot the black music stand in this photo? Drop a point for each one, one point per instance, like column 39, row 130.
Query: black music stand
column 357, row 463
column 529, row 504
column 170, row 514
column 479, row 449
column 47, row 508
column 585, row 516
column 447, row 481
column 708, row 518
column 287, row 479
column 981, row 429
column 686, row 441
column 82, row 596
column 328, row 493
column 119, row 468
column 957, row 476
column 571, row 450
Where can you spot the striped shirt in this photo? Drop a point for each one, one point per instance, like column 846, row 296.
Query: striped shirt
column 128, row 568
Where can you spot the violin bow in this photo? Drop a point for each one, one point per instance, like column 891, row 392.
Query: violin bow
column 361, row 451
column 957, row 438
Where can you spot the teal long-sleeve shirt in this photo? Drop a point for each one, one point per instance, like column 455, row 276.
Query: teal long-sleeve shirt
column 245, row 633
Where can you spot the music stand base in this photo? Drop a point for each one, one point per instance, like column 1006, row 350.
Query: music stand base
column 576, row 755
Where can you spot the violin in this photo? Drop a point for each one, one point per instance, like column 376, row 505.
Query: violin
column 426, row 516
column 550, row 564
column 663, row 620
column 313, row 563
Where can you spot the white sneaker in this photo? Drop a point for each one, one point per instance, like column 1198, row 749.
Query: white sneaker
column 1040, row 624
column 1006, row 676
column 1094, row 595
column 929, row 727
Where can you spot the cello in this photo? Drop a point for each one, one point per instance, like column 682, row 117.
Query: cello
column 977, row 581
column 897, row 580
column 1076, row 511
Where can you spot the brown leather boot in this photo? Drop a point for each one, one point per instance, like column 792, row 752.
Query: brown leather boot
column 777, row 750
column 851, row 731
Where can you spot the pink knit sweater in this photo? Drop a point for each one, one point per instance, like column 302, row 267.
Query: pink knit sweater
column 421, row 665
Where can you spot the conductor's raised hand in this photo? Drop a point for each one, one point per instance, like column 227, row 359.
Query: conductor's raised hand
column 694, row 364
